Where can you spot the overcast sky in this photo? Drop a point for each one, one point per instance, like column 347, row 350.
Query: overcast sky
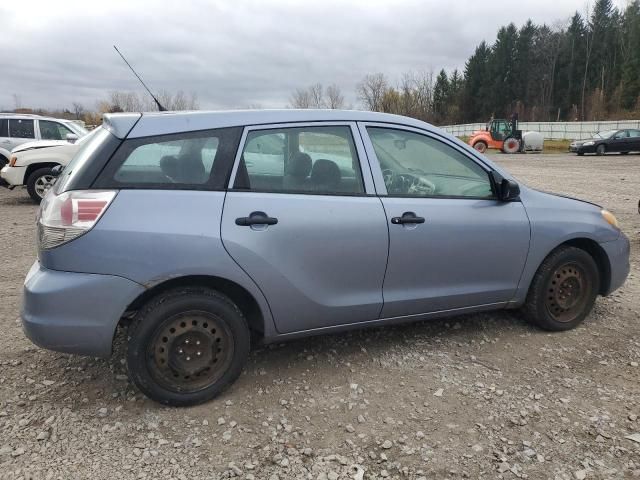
column 236, row 53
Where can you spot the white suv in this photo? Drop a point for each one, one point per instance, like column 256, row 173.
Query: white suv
column 31, row 164
column 18, row 128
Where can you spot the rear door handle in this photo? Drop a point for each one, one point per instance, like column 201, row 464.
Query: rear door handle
column 256, row 218
column 407, row 217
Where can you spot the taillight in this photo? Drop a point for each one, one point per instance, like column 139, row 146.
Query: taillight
column 12, row 161
column 67, row 216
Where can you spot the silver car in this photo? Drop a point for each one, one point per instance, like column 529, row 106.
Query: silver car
column 19, row 128
column 202, row 232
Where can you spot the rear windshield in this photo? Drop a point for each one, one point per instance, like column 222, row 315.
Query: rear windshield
column 95, row 147
column 193, row 160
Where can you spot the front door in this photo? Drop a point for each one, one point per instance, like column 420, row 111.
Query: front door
column 301, row 220
column 452, row 243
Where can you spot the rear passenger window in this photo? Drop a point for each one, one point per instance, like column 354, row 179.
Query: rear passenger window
column 20, row 128
column 196, row 160
column 4, row 127
column 320, row 160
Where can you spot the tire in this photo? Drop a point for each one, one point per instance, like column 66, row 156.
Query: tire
column 511, row 145
column 39, row 182
column 580, row 154
column 624, row 153
column 179, row 327
column 480, row 146
column 601, row 149
column 563, row 290
column 3, row 161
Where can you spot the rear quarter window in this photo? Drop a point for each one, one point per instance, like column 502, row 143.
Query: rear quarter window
column 194, row 160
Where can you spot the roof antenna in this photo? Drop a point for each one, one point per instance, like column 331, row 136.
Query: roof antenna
column 160, row 107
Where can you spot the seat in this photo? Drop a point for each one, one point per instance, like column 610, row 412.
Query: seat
column 325, row 176
column 169, row 166
column 297, row 176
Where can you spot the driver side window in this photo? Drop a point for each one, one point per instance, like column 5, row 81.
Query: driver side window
column 416, row 165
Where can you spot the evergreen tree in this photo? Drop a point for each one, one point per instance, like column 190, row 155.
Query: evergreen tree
column 441, row 94
column 630, row 86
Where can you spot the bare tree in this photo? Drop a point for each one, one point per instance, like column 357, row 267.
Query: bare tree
column 300, row 99
column 316, row 95
column 78, row 110
column 335, row 99
column 133, row 102
column 371, row 91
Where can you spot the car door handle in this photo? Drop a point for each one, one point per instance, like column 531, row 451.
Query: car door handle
column 407, row 217
column 256, row 218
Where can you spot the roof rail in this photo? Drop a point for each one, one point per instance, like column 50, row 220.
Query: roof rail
column 20, row 114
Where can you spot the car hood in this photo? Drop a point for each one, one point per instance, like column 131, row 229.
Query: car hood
column 39, row 144
column 561, row 195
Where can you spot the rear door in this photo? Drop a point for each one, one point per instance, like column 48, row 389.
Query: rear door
column 452, row 243
column 21, row 130
column 634, row 141
column 302, row 220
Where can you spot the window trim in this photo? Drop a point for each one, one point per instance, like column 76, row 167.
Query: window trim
column 57, row 123
column 365, row 169
column 106, row 177
column 33, row 123
column 377, row 171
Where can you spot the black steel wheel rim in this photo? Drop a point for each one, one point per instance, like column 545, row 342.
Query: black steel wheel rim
column 190, row 351
column 567, row 292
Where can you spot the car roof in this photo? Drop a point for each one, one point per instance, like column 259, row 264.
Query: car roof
column 162, row 123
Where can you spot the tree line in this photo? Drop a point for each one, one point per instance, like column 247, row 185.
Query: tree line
column 585, row 69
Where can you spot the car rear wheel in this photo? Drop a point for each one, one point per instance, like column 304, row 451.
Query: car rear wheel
column 186, row 346
column 563, row 290
column 39, row 183
column 480, row 146
column 601, row 149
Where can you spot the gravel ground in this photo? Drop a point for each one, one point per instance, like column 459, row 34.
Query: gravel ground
column 480, row 396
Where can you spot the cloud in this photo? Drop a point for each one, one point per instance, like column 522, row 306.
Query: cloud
column 238, row 53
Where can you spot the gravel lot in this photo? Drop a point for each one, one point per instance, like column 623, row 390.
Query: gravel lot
column 480, row 396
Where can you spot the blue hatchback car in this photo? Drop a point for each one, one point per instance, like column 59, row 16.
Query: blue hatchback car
column 200, row 231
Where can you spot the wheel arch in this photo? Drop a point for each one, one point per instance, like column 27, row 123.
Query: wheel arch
column 37, row 166
column 239, row 295
column 599, row 256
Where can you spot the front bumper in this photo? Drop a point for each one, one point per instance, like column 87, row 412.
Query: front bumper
column 13, row 175
column 582, row 149
column 74, row 312
column 618, row 252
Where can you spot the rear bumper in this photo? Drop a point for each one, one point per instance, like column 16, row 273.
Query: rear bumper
column 74, row 312
column 618, row 253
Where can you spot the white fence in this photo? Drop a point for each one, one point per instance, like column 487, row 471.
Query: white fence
column 552, row 130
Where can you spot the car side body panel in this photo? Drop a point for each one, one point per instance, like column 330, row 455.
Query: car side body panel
column 151, row 236
column 554, row 221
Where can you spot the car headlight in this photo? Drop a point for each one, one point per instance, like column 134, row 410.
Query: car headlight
column 588, row 144
column 12, row 161
column 610, row 218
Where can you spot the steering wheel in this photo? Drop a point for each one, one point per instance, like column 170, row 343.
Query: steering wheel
column 407, row 183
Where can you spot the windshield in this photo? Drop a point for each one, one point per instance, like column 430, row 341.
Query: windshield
column 607, row 134
column 76, row 128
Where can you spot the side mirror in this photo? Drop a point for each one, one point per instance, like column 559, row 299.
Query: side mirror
column 506, row 189
column 57, row 170
column 72, row 137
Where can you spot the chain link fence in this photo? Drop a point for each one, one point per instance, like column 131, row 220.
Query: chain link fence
column 552, row 130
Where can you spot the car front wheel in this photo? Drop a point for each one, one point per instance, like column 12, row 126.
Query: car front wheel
column 601, row 149
column 563, row 290
column 39, row 183
column 186, row 346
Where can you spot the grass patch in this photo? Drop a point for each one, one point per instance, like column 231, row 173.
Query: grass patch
column 556, row 145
